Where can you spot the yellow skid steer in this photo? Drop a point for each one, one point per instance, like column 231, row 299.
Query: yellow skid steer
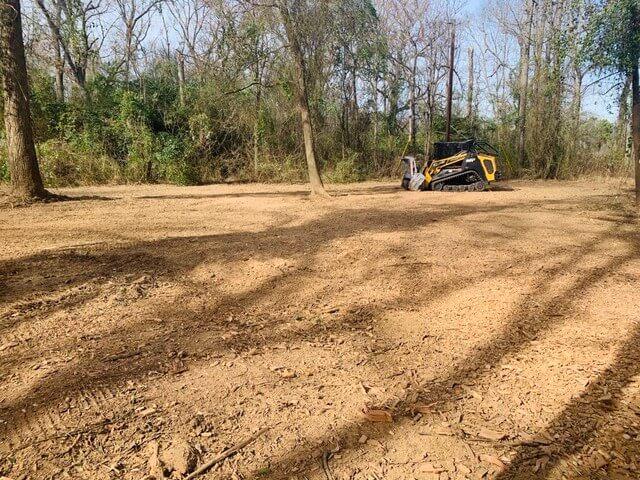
column 468, row 166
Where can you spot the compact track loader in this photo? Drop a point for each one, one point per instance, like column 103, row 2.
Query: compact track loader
column 468, row 166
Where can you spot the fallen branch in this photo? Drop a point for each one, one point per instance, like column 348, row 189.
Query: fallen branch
column 226, row 454
column 325, row 466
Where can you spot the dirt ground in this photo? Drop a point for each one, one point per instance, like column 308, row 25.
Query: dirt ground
column 381, row 335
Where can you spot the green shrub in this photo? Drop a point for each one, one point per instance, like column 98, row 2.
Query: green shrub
column 345, row 170
column 62, row 165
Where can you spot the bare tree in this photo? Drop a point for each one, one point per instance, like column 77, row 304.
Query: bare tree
column 135, row 19
column 70, row 22
column 523, row 83
column 26, row 181
column 201, row 30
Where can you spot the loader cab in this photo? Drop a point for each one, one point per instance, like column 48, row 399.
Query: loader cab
column 442, row 150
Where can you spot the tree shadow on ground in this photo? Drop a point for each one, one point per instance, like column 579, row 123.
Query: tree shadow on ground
column 7, row 202
column 526, row 324
column 51, row 271
column 362, row 191
column 578, row 425
column 202, row 196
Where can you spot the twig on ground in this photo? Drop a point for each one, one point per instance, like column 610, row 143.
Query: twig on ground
column 121, row 356
column 75, row 442
column 226, row 454
column 325, row 466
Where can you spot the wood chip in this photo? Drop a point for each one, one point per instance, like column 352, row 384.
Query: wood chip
column 379, row 416
column 7, row 346
column 491, row 435
column 287, row 373
column 422, row 408
column 492, row 459
column 147, row 411
column 428, row 467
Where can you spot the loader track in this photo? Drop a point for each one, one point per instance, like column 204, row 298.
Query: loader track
column 478, row 186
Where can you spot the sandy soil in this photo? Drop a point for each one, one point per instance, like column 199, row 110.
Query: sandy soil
column 147, row 329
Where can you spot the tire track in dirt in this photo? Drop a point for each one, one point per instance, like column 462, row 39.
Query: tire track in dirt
column 68, row 416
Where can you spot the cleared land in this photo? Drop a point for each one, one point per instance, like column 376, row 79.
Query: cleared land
column 501, row 330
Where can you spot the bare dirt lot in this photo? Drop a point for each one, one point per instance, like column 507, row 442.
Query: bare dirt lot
column 148, row 329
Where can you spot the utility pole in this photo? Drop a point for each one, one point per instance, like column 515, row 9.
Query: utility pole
column 452, row 54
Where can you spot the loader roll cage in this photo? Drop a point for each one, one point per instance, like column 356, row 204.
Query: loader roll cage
column 449, row 149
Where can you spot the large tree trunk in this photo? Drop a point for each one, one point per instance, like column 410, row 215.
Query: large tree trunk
column 525, row 50
column 315, row 181
column 635, row 127
column 26, row 181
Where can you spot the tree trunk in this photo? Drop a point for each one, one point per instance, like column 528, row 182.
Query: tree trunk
column 356, row 108
column 26, row 181
column 635, row 127
column 393, row 99
column 622, row 122
column 59, row 64
column 79, row 68
column 181, row 78
column 375, row 122
column 58, row 58
column 452, row 53
column 256, row 124
column 577, row 108
column 525, row 50
column 412, row 113
column 315, row 181
column 470, row 116
column 428, row 120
